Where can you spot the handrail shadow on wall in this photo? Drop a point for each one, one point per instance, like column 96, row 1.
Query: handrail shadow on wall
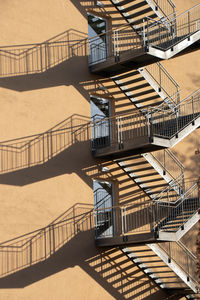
column 29, row 152
column 66, row 243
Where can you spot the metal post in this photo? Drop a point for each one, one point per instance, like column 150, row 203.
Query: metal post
column 188, row 268
column 122, row 221
column 188, row 22
column 193, row 107
column 169, row 258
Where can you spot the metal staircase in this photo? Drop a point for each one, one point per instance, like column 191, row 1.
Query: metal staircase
column 171, row 266
column 157, row 40
column 149, row 86
column 140, row 132
column 159, row 121
column 135, row 11
column 152, row 172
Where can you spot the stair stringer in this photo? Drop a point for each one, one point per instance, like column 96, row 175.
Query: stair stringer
column 174, row 267
column 185, row 132
column 161, row 170
column 157, row 11
column 156, row 87
column 174, row 50
column 131, row 20
column 157, row 167
column 176, row 236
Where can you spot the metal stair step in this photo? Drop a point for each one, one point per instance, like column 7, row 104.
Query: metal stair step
column 140, row 21
column 124, row 76
column 153, row 104
column 146, row 99
column 124, row 2
column 135, row 88
column 140, row 13
column 132, row 7
column 131, row 81
column 141, row 170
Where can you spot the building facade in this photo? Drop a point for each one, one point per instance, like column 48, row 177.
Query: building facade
column 94, row 145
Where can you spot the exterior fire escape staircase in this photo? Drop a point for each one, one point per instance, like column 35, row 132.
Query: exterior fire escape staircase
column 135, row 11
column 124, row 48
column 173, row 206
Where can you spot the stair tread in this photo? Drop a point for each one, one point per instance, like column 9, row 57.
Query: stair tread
column 133, row 6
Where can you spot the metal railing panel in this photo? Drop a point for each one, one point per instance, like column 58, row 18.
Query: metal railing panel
column 168, row 34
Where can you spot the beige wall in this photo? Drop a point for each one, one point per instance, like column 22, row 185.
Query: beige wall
column 32, row 198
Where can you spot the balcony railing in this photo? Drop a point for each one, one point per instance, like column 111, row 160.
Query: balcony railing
column 148, row 216
column 159, row 122
column 113, row 42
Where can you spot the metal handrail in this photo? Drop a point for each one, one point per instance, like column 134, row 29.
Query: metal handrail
column 162, row 78
column 163, row 10
column 180, row 197
column 167, row 34
column 176, row 252
column 166, row 164
column 172, row 186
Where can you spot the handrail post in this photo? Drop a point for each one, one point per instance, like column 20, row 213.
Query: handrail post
column 188, row 268
column 169, row 258
column 122, row 221
column 188, row 22
column 193, row 106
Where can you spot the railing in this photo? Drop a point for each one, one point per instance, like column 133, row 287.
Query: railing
column 179, row 209
column 168, row 124
column 167, row 35
column 120, row 220
column 165, row 81
column 38, row 149
column 182, row 257
column 169, row 162
column 148, row 216
column 37, row 58
column 172, row 192
column 158, row 122
column 116, row 130
column 38, row 246
column 113, row 42
column 167, row 8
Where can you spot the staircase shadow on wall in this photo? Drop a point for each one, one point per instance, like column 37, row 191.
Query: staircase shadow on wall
column 80, row 251
column 71, row 160
column 109, row 267
column 61, row 60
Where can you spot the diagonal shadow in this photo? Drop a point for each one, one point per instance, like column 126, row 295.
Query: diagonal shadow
column 53, row 249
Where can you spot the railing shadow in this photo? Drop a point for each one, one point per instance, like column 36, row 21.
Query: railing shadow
column 51, row 63
column 48, row 154
column 65, row 243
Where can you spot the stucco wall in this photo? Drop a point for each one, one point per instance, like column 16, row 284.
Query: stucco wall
column 34, row 197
